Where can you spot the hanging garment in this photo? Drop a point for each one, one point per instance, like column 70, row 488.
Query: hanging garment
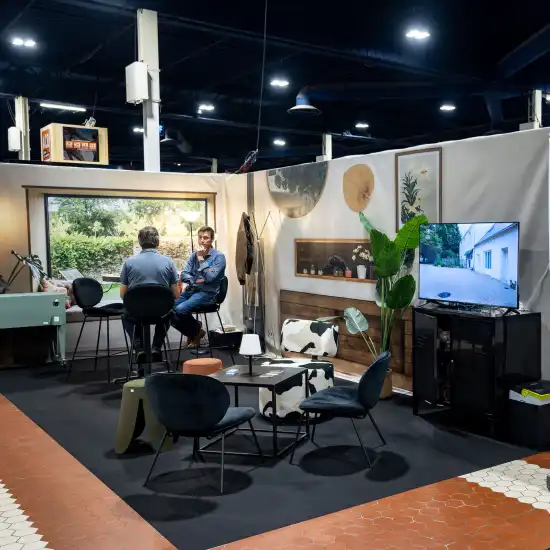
column 244, row 255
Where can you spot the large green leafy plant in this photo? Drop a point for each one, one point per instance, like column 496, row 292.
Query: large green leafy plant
column 395, row 286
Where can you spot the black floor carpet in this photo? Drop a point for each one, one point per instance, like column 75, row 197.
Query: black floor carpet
column 184, row 504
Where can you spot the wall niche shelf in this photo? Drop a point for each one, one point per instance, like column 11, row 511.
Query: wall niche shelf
column 333, row 259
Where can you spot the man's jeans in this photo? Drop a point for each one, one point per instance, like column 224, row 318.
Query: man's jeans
column 189, row 301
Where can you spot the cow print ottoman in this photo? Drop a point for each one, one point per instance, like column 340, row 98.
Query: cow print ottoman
column 315, row 338
column 320, row 376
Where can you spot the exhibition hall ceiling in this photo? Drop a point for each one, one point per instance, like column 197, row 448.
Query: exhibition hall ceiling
column 352, row 61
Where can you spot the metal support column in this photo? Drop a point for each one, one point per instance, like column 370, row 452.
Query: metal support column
column 534, row 113
column 22, row 122
column 148, row 52
column 214, row 168
column 327, row 146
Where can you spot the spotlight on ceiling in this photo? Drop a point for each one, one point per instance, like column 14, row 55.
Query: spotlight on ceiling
column 62, row 107
column 278, row 142
column 205, row 107
column 29, row 43
column 138, row 130
column 447, row 107
column 303, row 107
column 361, row 125
column 417, row 34
column 26, row 42
column 279, row 83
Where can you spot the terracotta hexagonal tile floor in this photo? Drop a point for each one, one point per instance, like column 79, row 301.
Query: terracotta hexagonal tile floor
column 451, row 515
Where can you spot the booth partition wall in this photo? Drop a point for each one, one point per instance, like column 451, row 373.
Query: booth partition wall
column 93, row 235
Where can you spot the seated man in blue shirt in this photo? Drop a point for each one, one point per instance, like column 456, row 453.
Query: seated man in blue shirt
column 148, row 267
column 203, row 275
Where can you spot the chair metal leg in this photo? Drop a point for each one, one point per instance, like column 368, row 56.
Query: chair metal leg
column 208, row 334
column 361, row 442
column 97, row 344
column 168, row 364
column 377, row 429
column 75, row 349
column 179, row 353
column 223, row 462
column 108, row 354
column 256, row 440
column 223, row 330
column 125, row 337
column 198, row 344
column 156, row 457
column 297, row 437
column 314, row 428
column 131, row 355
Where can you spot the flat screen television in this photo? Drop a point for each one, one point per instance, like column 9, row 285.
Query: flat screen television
column 470, row 263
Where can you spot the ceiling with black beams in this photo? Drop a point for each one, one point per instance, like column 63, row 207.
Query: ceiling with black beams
column 352, row 61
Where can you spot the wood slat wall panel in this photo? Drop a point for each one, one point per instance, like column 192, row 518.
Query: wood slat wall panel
column 353, row 354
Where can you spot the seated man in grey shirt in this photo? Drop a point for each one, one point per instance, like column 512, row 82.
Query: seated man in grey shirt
column 148, row 267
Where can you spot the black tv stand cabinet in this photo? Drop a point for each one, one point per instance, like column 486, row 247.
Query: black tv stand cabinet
column 467, row 362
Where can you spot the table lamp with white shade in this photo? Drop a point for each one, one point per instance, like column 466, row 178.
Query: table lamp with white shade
column 191, row 217
column 250, row 347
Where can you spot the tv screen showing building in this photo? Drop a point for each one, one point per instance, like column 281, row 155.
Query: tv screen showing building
column 472, row 263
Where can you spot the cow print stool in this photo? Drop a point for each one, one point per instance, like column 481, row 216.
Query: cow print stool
column 313, row 338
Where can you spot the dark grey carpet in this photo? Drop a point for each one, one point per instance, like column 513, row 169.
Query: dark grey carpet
column 183, row 503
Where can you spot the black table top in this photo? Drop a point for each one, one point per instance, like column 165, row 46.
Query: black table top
column 259, row 380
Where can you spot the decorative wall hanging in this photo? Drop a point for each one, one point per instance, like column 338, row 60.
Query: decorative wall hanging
column 338, row 259
column 297, row 189
column 358, row 186
column 418, row 182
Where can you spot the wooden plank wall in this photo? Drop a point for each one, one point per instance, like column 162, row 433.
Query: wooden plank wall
column 353, row 354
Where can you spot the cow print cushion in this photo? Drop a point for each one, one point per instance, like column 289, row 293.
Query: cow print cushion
column 320, row 376
column 310, row 337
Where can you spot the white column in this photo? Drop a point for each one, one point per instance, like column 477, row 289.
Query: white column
column 22, row 122
column 214, row 168
column 148, row 52
column 327, row 146
column 535, row 107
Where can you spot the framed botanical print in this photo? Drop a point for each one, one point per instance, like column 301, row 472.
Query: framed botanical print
column 418, row 183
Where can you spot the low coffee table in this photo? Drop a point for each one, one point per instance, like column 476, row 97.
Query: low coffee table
column 275, row 378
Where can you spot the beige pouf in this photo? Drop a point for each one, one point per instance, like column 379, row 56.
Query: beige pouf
column 136, row 416
column 202, row 365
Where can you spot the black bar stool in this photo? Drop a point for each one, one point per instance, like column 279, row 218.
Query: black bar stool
column 210, row 308
column 88, row 293
column 148, row 305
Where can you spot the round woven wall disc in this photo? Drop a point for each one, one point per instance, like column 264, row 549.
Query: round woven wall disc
column 358, row 186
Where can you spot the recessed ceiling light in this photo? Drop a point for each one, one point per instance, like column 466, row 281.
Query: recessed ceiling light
column 417, row 34
column 29, row 43
column 63, row 107
column 138, row 129
column 205, row 107
column 279, row 83
column 447, row 107
column 361, row 125
column 279, row 142
column 18, row 42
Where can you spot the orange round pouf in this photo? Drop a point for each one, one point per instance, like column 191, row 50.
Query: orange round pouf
column 203, row 365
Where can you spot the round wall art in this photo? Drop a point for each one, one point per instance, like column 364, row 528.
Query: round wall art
column 358, row 186
column 297, row 189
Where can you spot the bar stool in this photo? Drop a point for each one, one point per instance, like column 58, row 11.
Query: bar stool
column 204, row 310
column 147, row 305
column 88, row 293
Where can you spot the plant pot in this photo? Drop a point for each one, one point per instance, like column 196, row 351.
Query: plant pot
column 387, row 389
column 361, row 271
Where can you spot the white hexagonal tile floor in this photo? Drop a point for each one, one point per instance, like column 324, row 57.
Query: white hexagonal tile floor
column 518, row 479
column 16, row 529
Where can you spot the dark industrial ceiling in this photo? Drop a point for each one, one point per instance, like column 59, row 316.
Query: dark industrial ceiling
column 352, row 59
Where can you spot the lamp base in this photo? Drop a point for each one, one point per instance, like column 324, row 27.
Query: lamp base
column 250, row 372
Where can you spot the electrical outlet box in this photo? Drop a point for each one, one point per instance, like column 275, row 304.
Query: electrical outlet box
column 137, row 83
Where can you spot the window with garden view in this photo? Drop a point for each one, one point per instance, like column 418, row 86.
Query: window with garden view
column 96, row 234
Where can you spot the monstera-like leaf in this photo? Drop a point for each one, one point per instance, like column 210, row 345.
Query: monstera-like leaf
column 366, row 224
column 409, row 235
column 356, row 322
column 402, row 292
column 387, row 256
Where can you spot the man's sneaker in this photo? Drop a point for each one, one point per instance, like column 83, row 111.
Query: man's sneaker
column 196, row 341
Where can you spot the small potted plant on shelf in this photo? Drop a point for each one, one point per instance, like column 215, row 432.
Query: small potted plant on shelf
column 395, row 286
column 361, row 254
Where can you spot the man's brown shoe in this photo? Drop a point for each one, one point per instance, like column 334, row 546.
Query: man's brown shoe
column 196, row 341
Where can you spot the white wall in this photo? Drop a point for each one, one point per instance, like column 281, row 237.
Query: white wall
column 488, row 178
column 14, row 232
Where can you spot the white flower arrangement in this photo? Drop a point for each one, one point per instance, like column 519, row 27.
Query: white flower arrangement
column 363, row 254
